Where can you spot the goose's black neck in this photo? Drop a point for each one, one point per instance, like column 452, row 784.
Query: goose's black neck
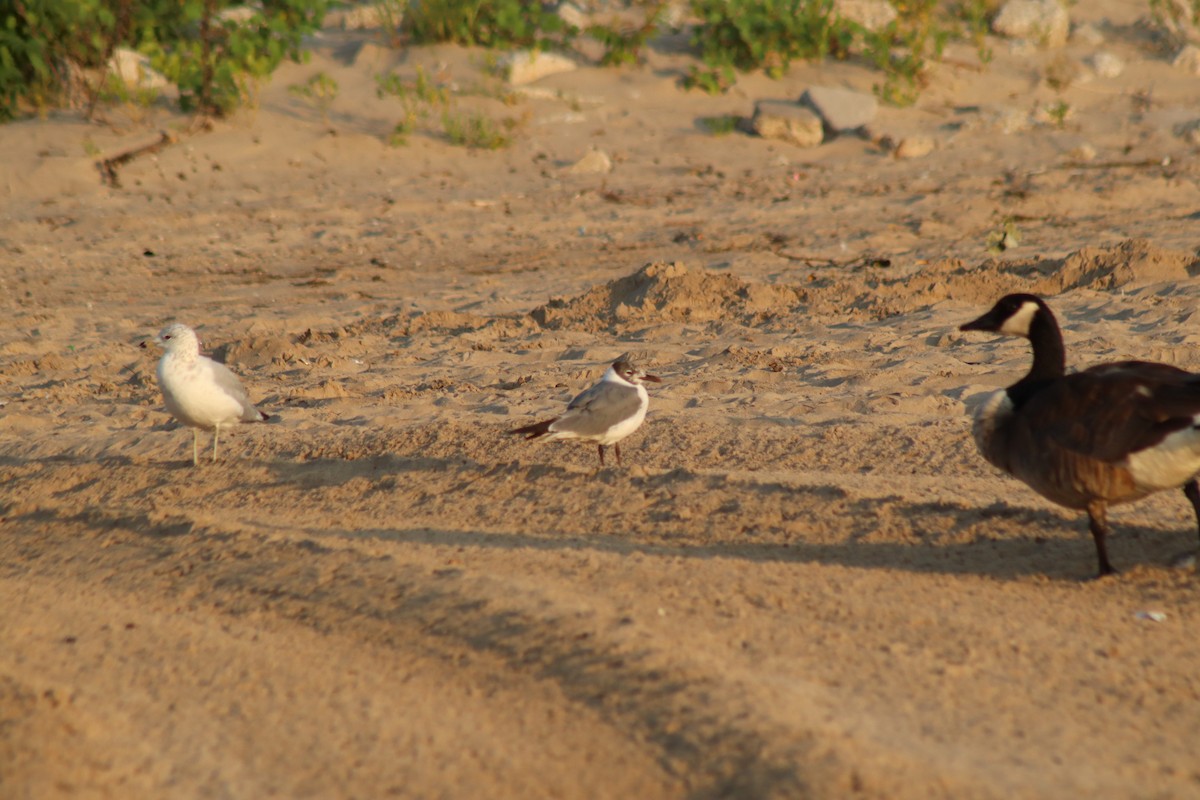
column 1049, row 355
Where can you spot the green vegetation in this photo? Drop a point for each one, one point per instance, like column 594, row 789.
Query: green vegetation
column 903, row 50
column 215, row 51
column 490, row 23
column 476, row 130
column 422, row 95
column 320, row 90
column 1175, row 19
column 53, row 50
column 975, row 15
column 769, row 34
column 743, row 35
column 624, row 45
column 1058, row 114
column 391, row 20
column 720, row 126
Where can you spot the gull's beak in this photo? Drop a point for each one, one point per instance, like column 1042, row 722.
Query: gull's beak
column 145, row 344
column 652, row 378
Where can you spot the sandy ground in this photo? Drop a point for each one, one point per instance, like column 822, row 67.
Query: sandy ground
column 803, row 582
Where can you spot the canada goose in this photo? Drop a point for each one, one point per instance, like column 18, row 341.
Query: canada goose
column 198, row 391
column 1109, row 434
column 605, row 413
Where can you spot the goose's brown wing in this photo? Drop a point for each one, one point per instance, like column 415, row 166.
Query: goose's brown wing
column 1112, row 410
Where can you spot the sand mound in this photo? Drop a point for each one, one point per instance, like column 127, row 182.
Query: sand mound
column 1131, row 262
column 668, row 292
column 260, row 351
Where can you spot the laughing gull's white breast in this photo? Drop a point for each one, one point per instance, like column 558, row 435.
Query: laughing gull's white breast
column 198, row 391
column 605, row 413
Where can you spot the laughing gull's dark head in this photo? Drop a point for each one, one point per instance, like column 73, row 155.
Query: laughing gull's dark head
column 631, row 372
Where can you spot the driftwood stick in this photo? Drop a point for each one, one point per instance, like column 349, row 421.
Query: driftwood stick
column 108, row 165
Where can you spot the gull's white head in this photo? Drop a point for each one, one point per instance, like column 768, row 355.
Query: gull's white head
column 178, row 338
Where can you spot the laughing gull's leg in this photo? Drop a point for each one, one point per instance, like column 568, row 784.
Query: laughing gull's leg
column 617, row 450
column 195, row 447
column 216, row 436
column 600, row 450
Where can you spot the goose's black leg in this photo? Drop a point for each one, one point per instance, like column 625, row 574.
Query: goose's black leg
column 600, row 450
column 1192, row 491
column 1098, row 524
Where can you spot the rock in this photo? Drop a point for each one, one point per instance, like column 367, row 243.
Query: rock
column 527, row 66
column 1106, row 64
column 134, row 70
column 1188, row 59
column 779, row 119
column 914, row 147
column 596, row 162
column 841, row 110
column 1042, row 21
column 873, row 15
column 1084, row 152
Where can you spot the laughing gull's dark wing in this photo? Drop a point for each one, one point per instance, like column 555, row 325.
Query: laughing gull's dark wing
column 599, row 408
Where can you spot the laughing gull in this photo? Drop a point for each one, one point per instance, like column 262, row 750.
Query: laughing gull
column 198, row 391
column 605, row 414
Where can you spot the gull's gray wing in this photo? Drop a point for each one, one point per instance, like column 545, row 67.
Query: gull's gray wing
column 598, row 408
column 232, row 386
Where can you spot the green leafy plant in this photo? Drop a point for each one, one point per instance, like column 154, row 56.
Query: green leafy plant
column 50, row 50
column 903, row 50
column 477, row 130
column 320, row 90
column 722, row 125
column 714, row 80
column 421, row 89
column 768, row 34
column 1058, row 114
column 976, row 15
column 46, row 47
column 624, row 45
column 421, row 95
column 391, row 20
column 135, row 99
column 490, row 23
column 213, row 59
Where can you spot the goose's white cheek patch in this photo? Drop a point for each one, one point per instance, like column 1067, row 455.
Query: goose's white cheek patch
column 1018, row 324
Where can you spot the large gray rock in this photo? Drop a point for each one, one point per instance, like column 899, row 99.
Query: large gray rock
column 133, row 70
column 1043, row 21
column 596, row 162
column 1106, row 64
column 788, row 122
column 842, row 110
